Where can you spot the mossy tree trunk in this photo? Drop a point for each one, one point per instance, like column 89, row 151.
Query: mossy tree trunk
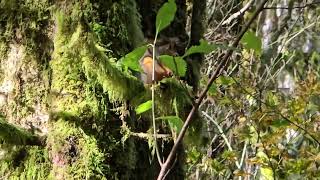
column 65, row 97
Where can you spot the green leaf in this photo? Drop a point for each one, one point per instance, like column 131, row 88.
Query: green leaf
column 266, row 173
column 213, row 90
column 204, row 48
column 272, row 99
column 225, row 80
column 131, row 60
column 280, row 123
column 165, row 15
column 251, row 41
column 225, row 101
column 176, row 64
column 144, row 107
column 174, row 122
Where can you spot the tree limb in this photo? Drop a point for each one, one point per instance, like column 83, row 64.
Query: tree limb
column 14, row 135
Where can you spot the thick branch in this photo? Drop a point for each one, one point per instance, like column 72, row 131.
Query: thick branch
column 222, row 66
column 13, row 135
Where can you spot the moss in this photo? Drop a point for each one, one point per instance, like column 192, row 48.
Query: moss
column 12, row 135
column 26, row 163
column 25, row 24
column 77, row 58
column 170, row 95
column 75, row 155
column 23, row 21
column 133, row 24
column 32, row 89
column 85, row 83
column 111, row 26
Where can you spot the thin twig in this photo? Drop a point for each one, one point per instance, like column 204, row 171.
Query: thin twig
column 153, row 104
column 147, row 136
column 222, row 66
column 223, row 136
column 243, row 152
column 279, row 113
column 239, row 13
column 295, row 7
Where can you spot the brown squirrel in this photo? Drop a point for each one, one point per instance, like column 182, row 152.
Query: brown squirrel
column 146, row 63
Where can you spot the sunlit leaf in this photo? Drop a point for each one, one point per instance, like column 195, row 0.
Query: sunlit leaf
column 176, row 64
column 225, row 101
column 174, row 122
column 165, row 15
column 280, row 123
column 204, row 48
column 266, row 173
column 272, row 99
column 224, row 80
column 144, row 107
column 251, row 41
column 131, row 60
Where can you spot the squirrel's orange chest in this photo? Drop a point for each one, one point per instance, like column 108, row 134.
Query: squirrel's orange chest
column 160, row 70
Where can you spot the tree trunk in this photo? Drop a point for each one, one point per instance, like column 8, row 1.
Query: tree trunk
column 64, row 98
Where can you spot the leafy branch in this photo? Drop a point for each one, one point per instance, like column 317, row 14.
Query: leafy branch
column 221, row 67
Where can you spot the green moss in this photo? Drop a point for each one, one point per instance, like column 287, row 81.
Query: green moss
column 12, row 135
column 85, row 83
column 23, row 21
column 76, row 155
column 77, row 58
column 133, row 24
column 170, row 94
column 26, row 163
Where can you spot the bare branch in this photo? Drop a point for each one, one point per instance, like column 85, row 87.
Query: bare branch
column 147, row 136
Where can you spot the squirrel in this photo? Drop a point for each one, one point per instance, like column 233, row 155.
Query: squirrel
column 146, row 63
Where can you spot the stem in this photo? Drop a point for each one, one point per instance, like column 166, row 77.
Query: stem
column 223, row 136
column 153, row 104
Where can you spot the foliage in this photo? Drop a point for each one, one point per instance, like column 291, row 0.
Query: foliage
column 251, row 41
column 268, row 113
column 259, row 128
column 204, row 48
column 177, row 64
column 131, row 60
column 144, row 107
column 165, row 15
column 175, row 124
